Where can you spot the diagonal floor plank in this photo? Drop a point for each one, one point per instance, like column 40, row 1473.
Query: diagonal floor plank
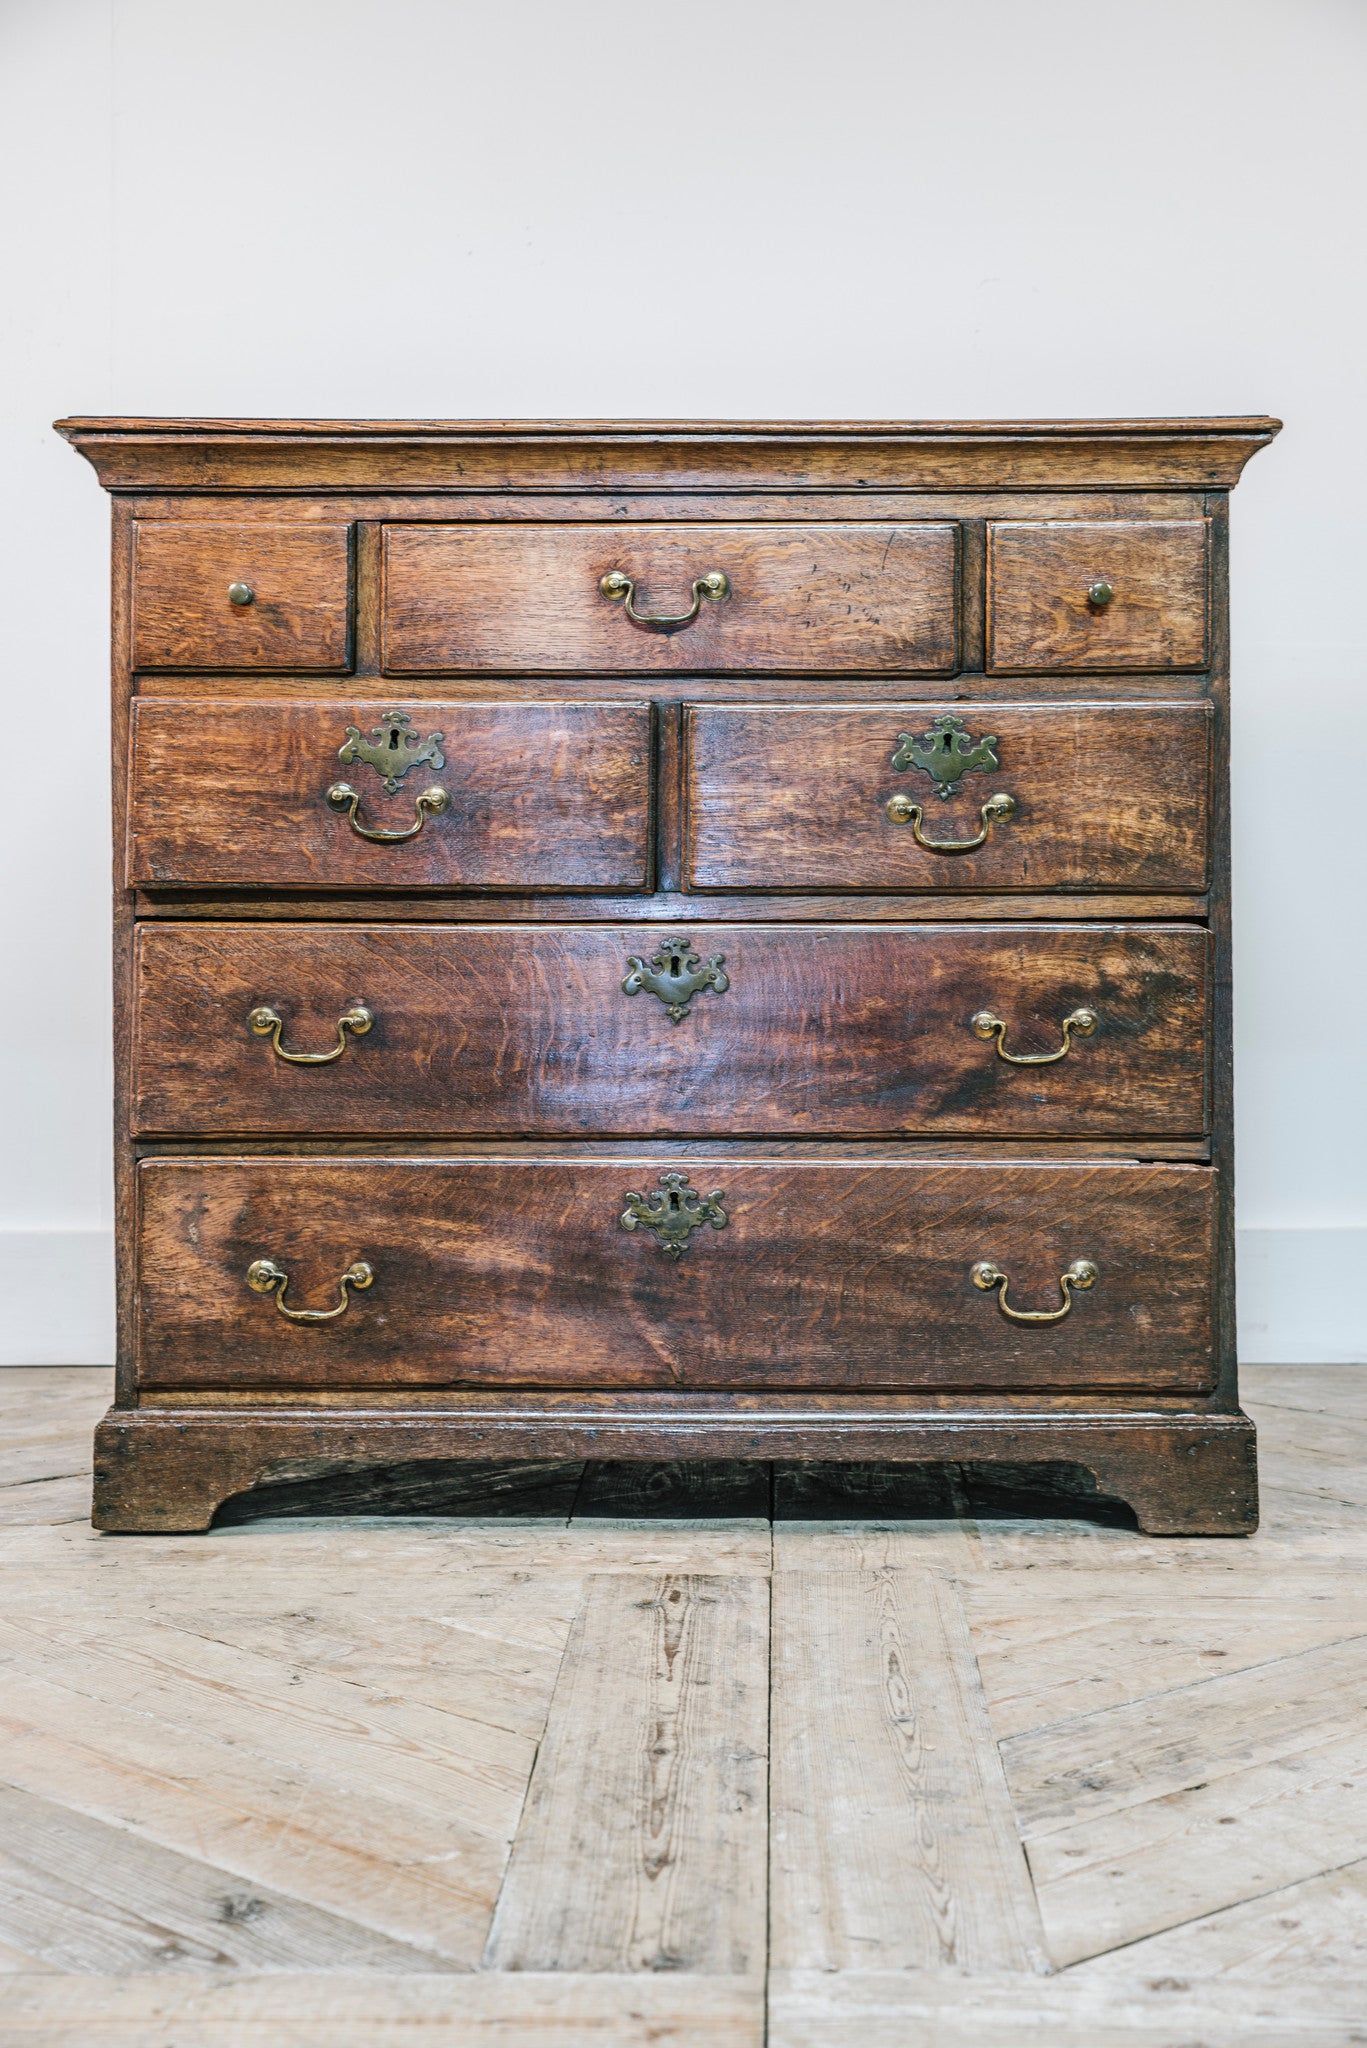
column 1099, row 1763
column 79, row 1895
column 893, row 1844
column 642, row 1844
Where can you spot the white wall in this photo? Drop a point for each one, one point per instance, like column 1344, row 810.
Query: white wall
column 912, row 208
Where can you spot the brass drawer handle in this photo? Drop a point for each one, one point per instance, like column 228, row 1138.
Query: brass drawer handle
column 713, row 586
column 676, row 974
column 343, row 797
column 986, row 1025
column 264, row 1277
column 996, row 811
column 673, row 1212
column 266, row 1022
column 1082, row 1273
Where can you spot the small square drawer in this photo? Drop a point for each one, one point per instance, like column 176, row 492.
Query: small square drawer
column 1074, row 595
column 211, row 595
column 530, row 598
column 914, row 797
column 302, row 794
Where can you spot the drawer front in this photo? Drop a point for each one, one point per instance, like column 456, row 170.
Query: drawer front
column 276, row 795
column 491, row 1272
column 1079, row 594
column 521, row 599
column 293, row 583
column 782, row 1031
column 1102, row 796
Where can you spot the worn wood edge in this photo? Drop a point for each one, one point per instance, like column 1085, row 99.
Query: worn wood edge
column 132, row 453
column 170, row 1470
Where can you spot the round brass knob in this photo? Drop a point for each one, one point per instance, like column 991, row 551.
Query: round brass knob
column 1100, row 594
column 240, row 593
column 900, row 808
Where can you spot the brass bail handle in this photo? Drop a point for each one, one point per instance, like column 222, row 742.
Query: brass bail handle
column 343, row 797
column 1082, row 1273
column 998, row 810
column 268, row 1023
column 713, row 586
column 987, row 1025
column 265, row 1277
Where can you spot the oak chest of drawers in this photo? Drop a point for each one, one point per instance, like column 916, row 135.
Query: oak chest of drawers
column 672, row 941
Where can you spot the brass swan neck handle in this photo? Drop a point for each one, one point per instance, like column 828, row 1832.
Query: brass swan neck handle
column 996, row 811
column 1082, row 1273
column 986, row 1025
column 617, row 584
column 265, row 1277
column 343, row 797
column 268, row 1023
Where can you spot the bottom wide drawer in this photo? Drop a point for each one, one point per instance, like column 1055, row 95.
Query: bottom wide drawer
column 673, row 1272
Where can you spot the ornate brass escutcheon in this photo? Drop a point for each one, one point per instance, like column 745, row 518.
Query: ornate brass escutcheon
column 265, row 1277
column 675, row 974
column 673, row 1212
column 268, row 1023
column 1082, row 1273
column 946, row 753
column 392, row 749
column 986, row 1025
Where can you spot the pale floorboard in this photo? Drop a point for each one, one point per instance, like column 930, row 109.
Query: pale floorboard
column 643, row 1842
column 367, row 1782
column 893, row 1844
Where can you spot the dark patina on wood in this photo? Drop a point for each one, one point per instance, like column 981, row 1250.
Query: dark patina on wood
column 930, row 1159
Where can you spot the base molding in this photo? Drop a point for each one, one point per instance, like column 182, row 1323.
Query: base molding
column 170, row 1469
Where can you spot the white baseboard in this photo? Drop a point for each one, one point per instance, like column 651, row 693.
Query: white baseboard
column 1300, row 1297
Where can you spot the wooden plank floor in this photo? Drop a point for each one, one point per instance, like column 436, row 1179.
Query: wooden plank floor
column 717, row 1756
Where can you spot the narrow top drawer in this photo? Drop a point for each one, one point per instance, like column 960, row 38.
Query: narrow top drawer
column 1092, row 594
column 303, row 794
column 245, row 595
column 517, row 599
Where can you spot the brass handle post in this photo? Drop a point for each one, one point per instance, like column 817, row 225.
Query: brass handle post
column 265, row 1277
column 268, row 1023
column 617, row 585
column 986, row 1025
column 996, row 811
column 343, row 797
column 1082, row 1273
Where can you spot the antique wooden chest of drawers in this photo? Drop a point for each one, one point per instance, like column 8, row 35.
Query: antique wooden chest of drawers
column 672, row 941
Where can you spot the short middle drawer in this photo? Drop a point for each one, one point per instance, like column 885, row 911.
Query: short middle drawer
column 388, row 1029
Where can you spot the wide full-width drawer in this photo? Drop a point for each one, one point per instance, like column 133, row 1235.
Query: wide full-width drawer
column 561, row 1273
column 220, row 595
column 1079, row 594
column 911, row 797
column 301, row 794
column 768, row 1030
column 859, row 597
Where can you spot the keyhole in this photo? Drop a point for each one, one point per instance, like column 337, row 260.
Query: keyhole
column 393, row 738
column 673, row 1203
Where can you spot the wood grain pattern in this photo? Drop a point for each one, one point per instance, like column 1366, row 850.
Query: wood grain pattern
column 1039, row 572
column 205, row 455
column 518, row 1272
column 233, row 794
column 842, row 1031
column 649, row 1789
column 865, row 597
column 894, row 1845
column 300, row 616
column 1108, row 796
